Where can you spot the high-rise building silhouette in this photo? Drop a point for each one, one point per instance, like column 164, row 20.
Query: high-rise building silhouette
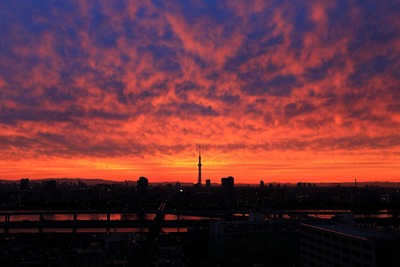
column 227, row 187
column 228, row 184
column 208, row 183
column 142, row 186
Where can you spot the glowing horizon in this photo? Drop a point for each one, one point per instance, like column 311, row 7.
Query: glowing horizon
column 281, row 91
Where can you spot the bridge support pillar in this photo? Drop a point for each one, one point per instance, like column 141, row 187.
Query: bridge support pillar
column 41, row 221
column 74, row 222
column 7, row 220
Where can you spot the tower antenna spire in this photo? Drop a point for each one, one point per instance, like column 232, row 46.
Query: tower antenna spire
column 199, row 175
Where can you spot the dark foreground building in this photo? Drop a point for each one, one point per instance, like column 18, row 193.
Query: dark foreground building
column 330, row 244
column 257, row 243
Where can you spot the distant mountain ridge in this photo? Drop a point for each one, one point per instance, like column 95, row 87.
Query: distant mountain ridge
column 87, row 181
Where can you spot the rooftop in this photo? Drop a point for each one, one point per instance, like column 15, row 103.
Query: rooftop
column 351, row 231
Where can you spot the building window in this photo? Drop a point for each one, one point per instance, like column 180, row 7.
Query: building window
column 326, row 252
column 367, row 257
column 367, row 246
column 356, row 253
column 346, row 250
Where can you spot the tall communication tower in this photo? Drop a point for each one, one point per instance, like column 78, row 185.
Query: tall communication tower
column 199, row 177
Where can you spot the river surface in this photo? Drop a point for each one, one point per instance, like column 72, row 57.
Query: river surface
column 322, row 214
column 95, row 217
column 94, row 230
column 100, row 216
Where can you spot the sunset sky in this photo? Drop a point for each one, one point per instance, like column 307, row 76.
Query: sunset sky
column 280, row 90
